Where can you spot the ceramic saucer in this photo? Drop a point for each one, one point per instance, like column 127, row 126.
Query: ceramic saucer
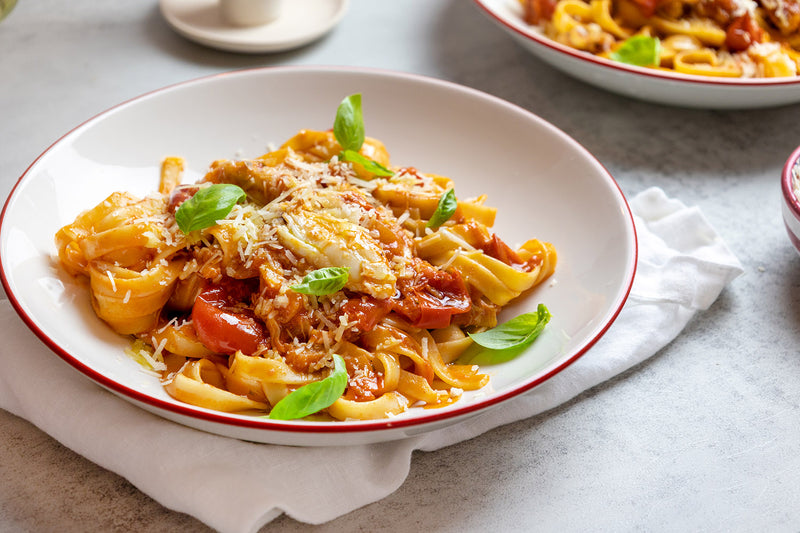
column 301, row 22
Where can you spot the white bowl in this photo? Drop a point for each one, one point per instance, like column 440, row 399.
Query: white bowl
column 652, row 85
column 790, row 187
column 544, row 184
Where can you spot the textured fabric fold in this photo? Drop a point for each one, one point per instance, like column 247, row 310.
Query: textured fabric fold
column 236, row 486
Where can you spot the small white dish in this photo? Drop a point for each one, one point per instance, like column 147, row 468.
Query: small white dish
column 544, row 184
column 642, row 83
column 300, row 22
column 790, row 207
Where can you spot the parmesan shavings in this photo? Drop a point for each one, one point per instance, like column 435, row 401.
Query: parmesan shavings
column 143, row 354
column 113, row 281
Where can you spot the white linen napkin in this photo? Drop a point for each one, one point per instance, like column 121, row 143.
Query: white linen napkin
column 236, row 486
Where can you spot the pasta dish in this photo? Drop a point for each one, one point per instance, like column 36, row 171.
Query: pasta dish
column 317, row 281
column 720, row 38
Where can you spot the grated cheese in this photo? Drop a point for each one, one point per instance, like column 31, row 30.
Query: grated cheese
column 113, row 282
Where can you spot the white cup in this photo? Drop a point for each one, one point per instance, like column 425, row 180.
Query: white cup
column 250, row 12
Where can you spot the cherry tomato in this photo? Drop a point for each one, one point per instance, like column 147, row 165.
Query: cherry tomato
column 431, row 298
column 366, row 312
column 743, row 32
column 223, row 325
column 537, row 11
column 647, row 7
column 180, row 194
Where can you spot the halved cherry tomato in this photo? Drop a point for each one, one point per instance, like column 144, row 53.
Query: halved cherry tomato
column 180, row 194
column 743, row 32
column 647, row 7
column 537, row 11
column 366, row 312
column 431, row 298
column 222, row 324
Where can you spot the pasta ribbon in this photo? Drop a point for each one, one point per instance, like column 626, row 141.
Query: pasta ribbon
column 420, row 203
column 171, row 174
column 457, row 247
column 180, row 339
column 775, row 61
column 675, row 44
column 68, row 239
column 465, row 377
column 571, row 13
column 200, row 383
column 601, row 14
column 451, row 341
column 704, row 30
column 389, row 404
column 317, row 146
column 494, row 279
column 705, row 63
column 130, row 301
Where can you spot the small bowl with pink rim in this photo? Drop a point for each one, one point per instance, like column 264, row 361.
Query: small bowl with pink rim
column 790, row 187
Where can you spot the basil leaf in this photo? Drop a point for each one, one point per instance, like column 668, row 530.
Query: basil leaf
column 348, row 128
column 517, row 332
column 313, row 397
column 369, row 165
column 208, row 205
column 323, row 281
column 444, row 210
column 639, row 50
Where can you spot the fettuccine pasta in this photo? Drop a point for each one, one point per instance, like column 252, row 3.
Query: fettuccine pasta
column 718, row 38
column 216, row 311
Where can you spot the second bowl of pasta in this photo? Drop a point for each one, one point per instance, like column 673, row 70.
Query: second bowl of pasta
column 708, row 54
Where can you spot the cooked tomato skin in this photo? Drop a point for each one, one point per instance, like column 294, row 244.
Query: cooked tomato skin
column 537, row 11
column 647, row 7
column 180, row 194
column 495, row 247
column 222, row 324
column 742, row 33
column 366, row 312
column 431, row 298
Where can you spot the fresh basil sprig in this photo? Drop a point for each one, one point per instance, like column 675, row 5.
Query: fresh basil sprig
column 444, row 209
column 208, row 205
column 348, row 128
column 313, row 397
column 323, row 281
column 373, row 167
column 639, row 50
column 517, row 332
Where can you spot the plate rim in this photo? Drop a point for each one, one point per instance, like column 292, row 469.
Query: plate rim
column 537, row 38
column 305, row 427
